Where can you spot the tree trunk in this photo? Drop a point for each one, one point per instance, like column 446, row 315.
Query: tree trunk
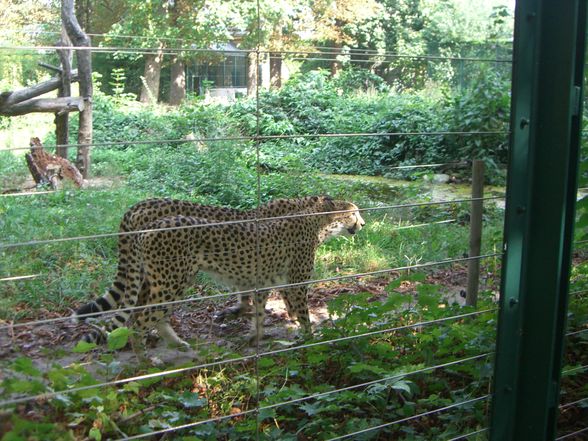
column 84, row 59
column 83, row 14
column 48, row 169
column 151, row 75
column 275, row 70
column 177, row 91
column 336, row 64
column 62, row 118
column 252, row 69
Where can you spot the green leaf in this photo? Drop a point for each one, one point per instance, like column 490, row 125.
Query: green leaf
column 311, row 408
column 83, row 347
column 118, row 338
column 25, row 365
column 24, row 386
column 133, row 386
column 265, row 362
column 95, row 434
column 402, row 386
column 363, row 367
column 191, row 399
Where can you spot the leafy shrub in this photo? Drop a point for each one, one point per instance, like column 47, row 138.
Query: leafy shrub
column 312, row 103
column 357, row 79
column 483, row 107
column 403, row 115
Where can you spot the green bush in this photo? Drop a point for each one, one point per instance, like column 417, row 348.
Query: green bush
column 312, row 103
column 484, row 107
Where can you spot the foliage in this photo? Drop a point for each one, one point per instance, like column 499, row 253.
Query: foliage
column 484, row 107
column 313, row 103
column 387, row 360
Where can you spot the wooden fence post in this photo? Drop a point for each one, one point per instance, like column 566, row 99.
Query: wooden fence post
column 477, row 209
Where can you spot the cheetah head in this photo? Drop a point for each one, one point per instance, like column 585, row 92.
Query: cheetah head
column 347, row 223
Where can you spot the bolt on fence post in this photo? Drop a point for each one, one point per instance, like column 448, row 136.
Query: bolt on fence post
column 477, row 209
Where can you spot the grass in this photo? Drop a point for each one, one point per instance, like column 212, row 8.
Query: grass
column 73, row 271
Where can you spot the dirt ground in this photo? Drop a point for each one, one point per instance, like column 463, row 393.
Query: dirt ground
column 196, row 322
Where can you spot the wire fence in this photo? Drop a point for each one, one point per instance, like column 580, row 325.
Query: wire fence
column 269, row 138
column 321, row 54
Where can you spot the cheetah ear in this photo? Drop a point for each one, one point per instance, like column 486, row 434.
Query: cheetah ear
column 330, row 202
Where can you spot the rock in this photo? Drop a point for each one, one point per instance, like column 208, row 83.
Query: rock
column 441, row 179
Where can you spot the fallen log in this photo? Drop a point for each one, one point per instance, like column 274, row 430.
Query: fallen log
column 46, row 105
column 10, row 98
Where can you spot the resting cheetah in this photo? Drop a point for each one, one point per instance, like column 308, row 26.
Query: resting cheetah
column 148, row 211
column 244, row 256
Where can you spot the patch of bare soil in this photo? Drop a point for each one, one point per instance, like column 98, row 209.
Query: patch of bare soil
column 195, row 322
column 95, row 182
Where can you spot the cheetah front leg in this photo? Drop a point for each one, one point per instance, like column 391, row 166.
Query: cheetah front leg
column 259, row 301
column 296, row 301
column 296, row 297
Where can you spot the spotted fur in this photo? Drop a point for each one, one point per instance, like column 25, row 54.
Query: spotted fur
column 242, row 256
column 139, row 216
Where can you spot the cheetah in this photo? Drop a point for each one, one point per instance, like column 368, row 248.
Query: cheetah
column 148, row 211
column 245, row 256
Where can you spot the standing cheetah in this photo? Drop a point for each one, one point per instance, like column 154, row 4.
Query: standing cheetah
column 245, row 256
column 140, row 215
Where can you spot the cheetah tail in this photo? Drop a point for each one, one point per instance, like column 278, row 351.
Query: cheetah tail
column 107, row 302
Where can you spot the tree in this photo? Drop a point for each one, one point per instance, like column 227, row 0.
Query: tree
column 171, row 27
column 279, row 26
column 344, row 22
column 25, row 16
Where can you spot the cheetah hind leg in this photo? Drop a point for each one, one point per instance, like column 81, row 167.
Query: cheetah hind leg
column 158, row 317
column 243, row 309
column 167, row 333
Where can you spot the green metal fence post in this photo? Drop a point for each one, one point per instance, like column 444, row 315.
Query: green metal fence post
column 545, row 126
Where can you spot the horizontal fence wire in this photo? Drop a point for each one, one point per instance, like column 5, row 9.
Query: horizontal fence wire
column 17, row 278
column 252, row 291
column 576, row 369
column 573, row 403
column 398, row 167
column 310, row 397
column 338, row 50
column 581, row 331
column 258, row 138
column 48, row 395
column 578, row 292
column 569, row 435
column 185, row 40
column 240, row 221
column 404, row 420
column 287, row 53
column 467, row 435
column 399, row 228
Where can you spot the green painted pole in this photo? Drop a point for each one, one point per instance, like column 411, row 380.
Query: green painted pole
column 548, row 67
